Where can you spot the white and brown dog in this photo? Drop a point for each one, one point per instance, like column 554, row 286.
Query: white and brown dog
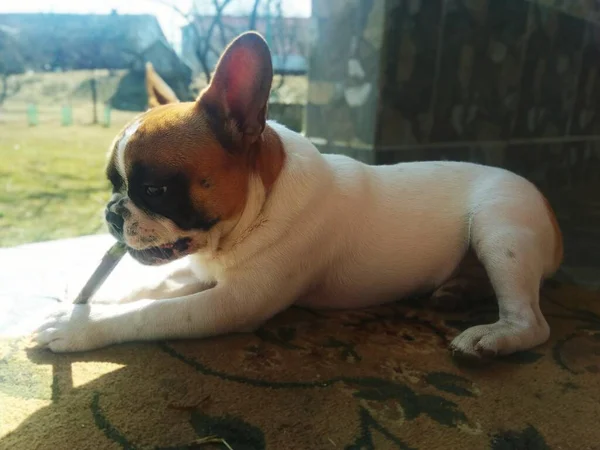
column 266, row 221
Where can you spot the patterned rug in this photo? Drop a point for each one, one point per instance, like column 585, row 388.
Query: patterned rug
column 380, row 378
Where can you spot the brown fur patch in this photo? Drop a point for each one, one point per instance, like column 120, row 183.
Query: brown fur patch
column 217, row 142
column 270, row 157
column 177, row 138
column 558, row 238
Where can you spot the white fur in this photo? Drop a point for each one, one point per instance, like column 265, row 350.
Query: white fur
column 122, row 145
column 141, row 229
column 336, row 233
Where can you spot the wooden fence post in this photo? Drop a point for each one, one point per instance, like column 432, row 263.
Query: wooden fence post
column 67, row 115
column 107, row 111
column 32, row 114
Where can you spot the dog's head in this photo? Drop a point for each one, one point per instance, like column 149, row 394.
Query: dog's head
column 181, row 171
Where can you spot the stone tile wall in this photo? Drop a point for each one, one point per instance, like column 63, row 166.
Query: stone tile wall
column 511, row 83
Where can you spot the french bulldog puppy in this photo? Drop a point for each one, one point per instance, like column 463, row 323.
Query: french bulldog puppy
column 267, row 221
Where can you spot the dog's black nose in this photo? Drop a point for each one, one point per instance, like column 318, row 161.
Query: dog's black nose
column 117, row 205
column 115, row 214
column 115, row 223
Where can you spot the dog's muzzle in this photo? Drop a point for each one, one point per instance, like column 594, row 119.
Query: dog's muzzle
column 115, row 214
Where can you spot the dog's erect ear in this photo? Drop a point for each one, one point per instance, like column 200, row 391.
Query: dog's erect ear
column 159, row 92
column 236, row 99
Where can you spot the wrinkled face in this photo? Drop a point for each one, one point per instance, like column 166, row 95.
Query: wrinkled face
column 173, row 182
column 180, row 172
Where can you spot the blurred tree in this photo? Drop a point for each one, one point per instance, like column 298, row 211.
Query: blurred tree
column 210, row 30
column 284, row 39
column 11, row 63
column 254, row 15
column 203, row 36
column 104, row 42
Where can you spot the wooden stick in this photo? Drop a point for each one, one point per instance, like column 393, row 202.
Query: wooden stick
column 108, row 263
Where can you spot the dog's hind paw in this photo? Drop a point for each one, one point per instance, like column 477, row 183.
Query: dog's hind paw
column 483, row 342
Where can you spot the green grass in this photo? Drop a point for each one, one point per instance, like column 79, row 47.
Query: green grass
column 52, row 182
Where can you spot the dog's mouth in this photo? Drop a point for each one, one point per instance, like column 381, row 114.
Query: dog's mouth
column 164, row 253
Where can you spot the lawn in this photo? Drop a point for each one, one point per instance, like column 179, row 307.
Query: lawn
column 52, row 182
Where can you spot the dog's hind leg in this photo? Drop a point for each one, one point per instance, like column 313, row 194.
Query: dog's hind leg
column 515, row 242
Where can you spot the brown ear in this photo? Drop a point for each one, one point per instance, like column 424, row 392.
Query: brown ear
column 159, row 92
column 236, row 99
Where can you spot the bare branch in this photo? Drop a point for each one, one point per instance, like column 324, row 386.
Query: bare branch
column 173, row 7
column 202, row 38
column 211, row 34
column 218, row 17
column 254, row 15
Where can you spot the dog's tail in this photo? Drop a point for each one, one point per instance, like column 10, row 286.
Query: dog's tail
column 558, row 239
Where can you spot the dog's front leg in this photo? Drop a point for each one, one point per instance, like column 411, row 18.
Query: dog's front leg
column 179, row 283
column 132, row 282
column 226, row 308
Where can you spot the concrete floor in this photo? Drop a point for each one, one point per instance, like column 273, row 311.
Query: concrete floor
column 34, row 278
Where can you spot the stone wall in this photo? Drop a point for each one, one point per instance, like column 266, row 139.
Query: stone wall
column 511, row 83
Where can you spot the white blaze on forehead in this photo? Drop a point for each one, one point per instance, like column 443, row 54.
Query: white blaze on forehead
column 130, row 131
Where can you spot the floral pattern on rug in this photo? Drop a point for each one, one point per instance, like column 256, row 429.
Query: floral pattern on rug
column 377, row 378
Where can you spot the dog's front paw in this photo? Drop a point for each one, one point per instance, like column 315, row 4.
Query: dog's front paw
column 74, row 328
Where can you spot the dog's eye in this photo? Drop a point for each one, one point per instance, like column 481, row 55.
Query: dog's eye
column 155, row 191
